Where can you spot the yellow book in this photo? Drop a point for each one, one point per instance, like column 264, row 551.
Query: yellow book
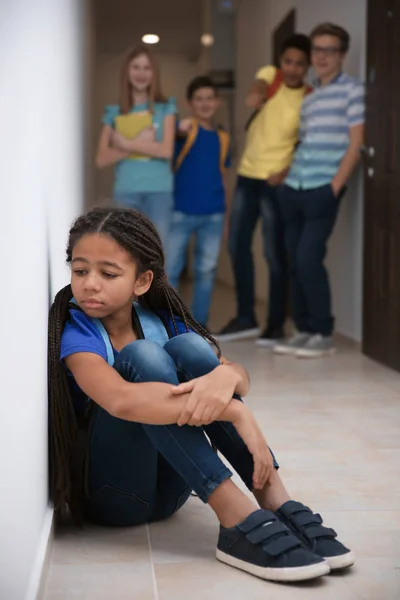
column 130, row 125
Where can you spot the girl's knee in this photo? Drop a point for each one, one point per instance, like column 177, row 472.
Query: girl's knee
column 191, row 349
column 140, row 349
column 144, row 360
column 188, row 343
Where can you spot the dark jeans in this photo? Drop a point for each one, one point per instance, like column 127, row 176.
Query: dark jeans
column 309, row 217
column 140, row 473
column 254, row 198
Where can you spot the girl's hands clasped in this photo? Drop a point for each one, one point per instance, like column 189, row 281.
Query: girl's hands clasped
column 209, row 396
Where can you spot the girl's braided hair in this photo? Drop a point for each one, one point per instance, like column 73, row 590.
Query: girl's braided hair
column 138, row 236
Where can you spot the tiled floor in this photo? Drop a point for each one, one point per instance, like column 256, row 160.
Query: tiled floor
column 335, row 427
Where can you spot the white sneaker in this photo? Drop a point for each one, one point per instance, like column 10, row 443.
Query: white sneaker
column 293, row 344
column 316, row 347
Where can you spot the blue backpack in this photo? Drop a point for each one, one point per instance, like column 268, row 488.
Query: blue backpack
column 152, row 326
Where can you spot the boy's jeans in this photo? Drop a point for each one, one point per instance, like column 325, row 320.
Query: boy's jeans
column 208, row 230
column 253, row 199
column 139, row 473
column 309, row 217
column 157, row 206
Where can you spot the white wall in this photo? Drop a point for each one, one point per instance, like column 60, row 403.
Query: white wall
column 40, row 185
column 256, row 22
column 176, row 71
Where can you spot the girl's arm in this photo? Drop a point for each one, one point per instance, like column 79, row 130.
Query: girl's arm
column 107, row 155
column 243, row 380
column 155, row 404
column 163, row 149
column 150, row 403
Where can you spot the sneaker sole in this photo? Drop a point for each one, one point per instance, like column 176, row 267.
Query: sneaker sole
column 341, row 562
column 273, row 574
column 267, row 343
column 283, row 351
column 242, row 335
column 304, row 353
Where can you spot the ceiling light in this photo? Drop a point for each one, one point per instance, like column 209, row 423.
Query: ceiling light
column 150, row 38
column 207, row 39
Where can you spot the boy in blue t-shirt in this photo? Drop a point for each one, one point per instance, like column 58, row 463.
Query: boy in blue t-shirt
column 201, row 159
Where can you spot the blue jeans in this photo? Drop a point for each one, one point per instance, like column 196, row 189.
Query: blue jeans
column 254, row 198
column 140, row 473
column 309, row 218
column 208, row 231
column 157, row 206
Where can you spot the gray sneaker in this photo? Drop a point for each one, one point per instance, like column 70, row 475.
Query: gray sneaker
column 317, row 346
column 293, row 344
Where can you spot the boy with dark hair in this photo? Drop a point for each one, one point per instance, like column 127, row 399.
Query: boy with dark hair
column 332, row 130
column 277, row 94
column 201, row 159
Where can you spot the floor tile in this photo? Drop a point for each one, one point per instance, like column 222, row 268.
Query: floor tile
column 375, row 579
column 201, row 580
column 100, row 545
column 100, row 582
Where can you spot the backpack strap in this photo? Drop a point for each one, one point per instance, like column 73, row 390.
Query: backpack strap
column 152, row 326
column 224, row 143
column 104, row 335
column 189, row 141
column 274, row 85
column 106, row 340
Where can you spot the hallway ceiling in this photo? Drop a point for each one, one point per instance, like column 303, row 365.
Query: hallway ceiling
column 121, row 23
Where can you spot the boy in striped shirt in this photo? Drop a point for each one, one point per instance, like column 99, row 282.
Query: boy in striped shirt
column 331, row 135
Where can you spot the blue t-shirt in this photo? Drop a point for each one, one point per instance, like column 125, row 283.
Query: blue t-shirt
column 81, row 335
column 145, row 174
column 199, row 188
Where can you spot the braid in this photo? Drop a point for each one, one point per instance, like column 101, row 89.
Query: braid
column 62, row 420
column 138, row 236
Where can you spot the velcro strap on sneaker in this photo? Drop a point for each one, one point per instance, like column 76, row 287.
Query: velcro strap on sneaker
column 292, row 507
column 304, row 518
column 313, row 533
column 266, row 532
column 257, row 518
column 282, row 544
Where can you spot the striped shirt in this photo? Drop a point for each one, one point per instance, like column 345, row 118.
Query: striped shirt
column 325, row 121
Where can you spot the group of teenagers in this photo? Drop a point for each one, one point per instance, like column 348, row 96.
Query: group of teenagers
column 302, row 146
column 141, row 402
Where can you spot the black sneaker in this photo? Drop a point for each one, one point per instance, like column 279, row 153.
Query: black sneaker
column 263, row 546
column 238, row 329
column 319, row 539
column 270, row 337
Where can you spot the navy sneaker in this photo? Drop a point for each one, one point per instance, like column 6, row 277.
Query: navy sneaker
column 319, row 539
column 238, row 329
column 263, row 546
